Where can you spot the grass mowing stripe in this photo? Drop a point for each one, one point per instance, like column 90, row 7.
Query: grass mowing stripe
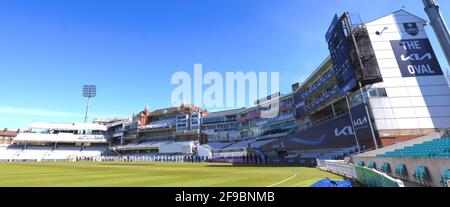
column 153, row 174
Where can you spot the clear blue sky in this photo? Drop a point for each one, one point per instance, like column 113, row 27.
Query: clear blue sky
column 131, row 48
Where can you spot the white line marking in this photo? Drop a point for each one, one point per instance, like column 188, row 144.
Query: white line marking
column 283, row 180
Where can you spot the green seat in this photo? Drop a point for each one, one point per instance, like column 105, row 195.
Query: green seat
column 386, row 167
column 421, row 174
column 360, row 163
column 400, row 170
column 372, row 165
column 445, row 177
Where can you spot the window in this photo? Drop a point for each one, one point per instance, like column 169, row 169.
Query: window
column 382, row 92
column 377, row 92
column 372, row 92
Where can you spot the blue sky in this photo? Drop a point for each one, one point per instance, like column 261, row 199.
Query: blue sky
column 131, row 48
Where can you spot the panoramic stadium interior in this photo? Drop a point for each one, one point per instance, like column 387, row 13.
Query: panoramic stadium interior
column 362, row 111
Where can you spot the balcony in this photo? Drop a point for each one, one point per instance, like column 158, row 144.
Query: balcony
column 327, row 76
column 321, row 99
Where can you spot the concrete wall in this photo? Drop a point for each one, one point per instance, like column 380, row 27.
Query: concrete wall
column 435, row 167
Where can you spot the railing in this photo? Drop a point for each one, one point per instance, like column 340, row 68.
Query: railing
column 338, row 167
column 321, row 99
column 374, row 178
column 366, row 176
column 205, row 121
column 322, row 120
column 317, row 84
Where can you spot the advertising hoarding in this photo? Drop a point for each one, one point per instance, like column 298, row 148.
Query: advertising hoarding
column 337, row 132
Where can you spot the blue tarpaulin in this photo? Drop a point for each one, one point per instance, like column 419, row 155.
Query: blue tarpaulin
column 327, row 182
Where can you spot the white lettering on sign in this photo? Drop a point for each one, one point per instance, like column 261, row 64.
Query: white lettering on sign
column 411, row 45
column 415, row 57
column 360, row 121
column 420, row 69
column 347, row 130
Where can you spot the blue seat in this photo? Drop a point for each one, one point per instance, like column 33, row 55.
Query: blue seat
column 386, row 167
column 372, row 165
column 360, row 163
column 400, row 170
column 421, row 174
column 438, row 148
column 445, row 177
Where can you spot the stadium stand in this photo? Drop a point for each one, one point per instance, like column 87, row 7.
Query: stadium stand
column 47, row 153
column 333, row 154
column 165, row 123
column 241, row 144
column 418, row 140
column 437, row 148
column 218, row 145
column 259, row 143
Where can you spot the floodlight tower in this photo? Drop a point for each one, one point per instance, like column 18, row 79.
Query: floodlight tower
column 439, row 26
column 89, row 91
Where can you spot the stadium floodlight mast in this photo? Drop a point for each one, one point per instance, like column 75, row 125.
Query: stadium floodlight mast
column 89, row 91
column 439, row 26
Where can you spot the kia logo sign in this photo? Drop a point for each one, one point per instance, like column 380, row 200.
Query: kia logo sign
column 347, row 130
column 360, row 122
column 415, row 57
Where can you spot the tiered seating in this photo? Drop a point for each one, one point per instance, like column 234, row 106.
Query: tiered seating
column 260, row 143
column 241, row 144
column 437, row 148
column 45, row 153
column 33, row 153
column 165, row 123
column 218, row 145
column 334, row 154
column 8, row 153
column 142, row 145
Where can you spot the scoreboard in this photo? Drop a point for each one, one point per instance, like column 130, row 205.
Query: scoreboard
column 337, row 40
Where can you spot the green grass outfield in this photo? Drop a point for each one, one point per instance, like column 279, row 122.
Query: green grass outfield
column 154, row 174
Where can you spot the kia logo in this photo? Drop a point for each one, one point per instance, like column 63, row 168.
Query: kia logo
column 347, row 130
column 416, row 57
column 360, row 121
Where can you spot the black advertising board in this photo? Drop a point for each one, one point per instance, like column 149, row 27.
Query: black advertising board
column 415, row 57
column 340, row 55
column 337, row 132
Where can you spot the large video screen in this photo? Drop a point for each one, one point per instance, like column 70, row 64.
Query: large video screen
column 340, row 55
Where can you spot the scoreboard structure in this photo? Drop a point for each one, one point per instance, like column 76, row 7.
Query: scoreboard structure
column 381, row 84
